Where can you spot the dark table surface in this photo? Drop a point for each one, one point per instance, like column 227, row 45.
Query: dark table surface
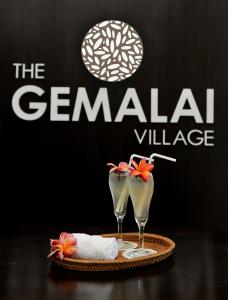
column 197, row 270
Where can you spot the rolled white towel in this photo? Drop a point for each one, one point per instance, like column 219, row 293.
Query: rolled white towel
column 95, row 247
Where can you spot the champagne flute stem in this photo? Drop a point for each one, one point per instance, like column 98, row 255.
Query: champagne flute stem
column 120, row 223
column 141, row 236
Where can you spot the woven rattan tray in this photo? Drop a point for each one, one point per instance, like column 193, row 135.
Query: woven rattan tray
column 161, row 244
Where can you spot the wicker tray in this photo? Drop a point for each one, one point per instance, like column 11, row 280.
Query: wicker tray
column 161, row 244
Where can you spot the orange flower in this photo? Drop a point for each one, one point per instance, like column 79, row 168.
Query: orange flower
column 122, row 167
column 142, row 169
column 65, row 246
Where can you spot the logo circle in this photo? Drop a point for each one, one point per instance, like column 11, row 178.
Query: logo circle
column 112, row 50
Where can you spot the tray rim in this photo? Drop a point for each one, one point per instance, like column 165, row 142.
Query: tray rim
column 141, row 261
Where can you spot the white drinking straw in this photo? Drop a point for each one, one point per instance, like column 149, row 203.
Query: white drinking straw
column 138, row 156
column 151, row 158
column 161, row 156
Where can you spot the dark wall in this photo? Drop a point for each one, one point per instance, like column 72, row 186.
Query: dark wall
column 55, row 172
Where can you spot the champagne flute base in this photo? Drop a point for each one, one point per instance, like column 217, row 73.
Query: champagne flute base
column 124, row 245
column 135, row 253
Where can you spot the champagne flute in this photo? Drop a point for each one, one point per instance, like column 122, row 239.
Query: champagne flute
column 141, row 191
column 141, row 187
column 118, row 184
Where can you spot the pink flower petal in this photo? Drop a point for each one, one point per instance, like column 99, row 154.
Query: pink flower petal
column 111, row 165
column 70, row 251
column 141, row 164
column 71, row 241
column 113, row 169
column 54, row 242
column 135, row 164
column 60, row 254
column 123, row 166
column 148, row 167
column 63, row 236
column 135, row 173
column 145, row 175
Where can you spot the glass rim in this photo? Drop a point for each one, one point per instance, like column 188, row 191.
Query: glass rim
column 126, row 173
